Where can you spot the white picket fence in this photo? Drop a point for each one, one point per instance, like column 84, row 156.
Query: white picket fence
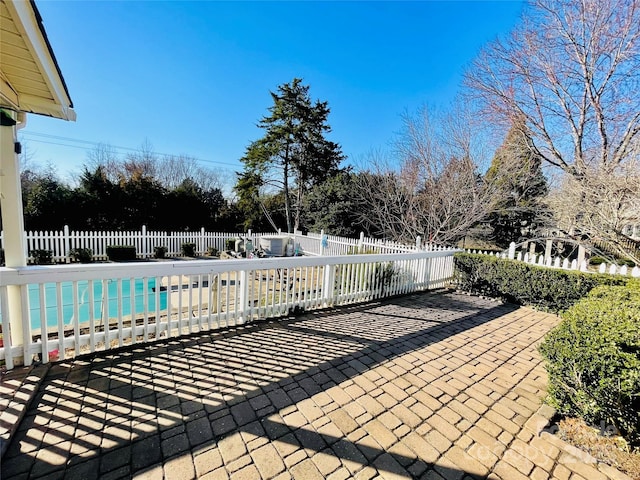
column 62, row 242
column 549, row 261
column 323, row 244
column 61, row 311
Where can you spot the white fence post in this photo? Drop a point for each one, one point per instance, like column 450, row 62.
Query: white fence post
column 143, row 241
column 361, row 242
column 418, row 242
column 243, row 297
column 581, row 254
column 547, row 250
column 512, row 251
column 67, row 247
column 328, row 285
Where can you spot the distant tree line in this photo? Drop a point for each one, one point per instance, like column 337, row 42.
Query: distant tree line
column 126, row 194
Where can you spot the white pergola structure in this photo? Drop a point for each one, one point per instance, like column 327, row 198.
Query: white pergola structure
column 30, row 82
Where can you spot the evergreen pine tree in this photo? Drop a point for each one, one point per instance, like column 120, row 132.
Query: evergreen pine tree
column 516, row 170
column 293, row 154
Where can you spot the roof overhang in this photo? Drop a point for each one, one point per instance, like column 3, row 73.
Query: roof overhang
column 30, row 78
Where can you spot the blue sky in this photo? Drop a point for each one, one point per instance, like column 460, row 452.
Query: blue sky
column 194, row 77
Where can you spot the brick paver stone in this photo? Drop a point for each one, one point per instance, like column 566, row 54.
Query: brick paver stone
column 268, row 461
column 431, row 386
column 306, row 470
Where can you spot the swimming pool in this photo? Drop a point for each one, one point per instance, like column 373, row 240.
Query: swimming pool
column 100, row 301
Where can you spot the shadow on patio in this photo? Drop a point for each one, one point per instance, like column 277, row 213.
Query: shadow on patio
column 428, row 385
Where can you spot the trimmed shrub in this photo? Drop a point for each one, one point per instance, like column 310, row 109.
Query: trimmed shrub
column 593, row 359
column 230, row 244
column 212, row 251
column 42, row 257
column 524, row 284
column 121, row 253
column 159, row 252
column 596, row 260
column 82, row 255
column 189, row 249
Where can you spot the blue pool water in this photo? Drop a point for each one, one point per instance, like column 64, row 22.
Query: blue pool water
column 100, row 301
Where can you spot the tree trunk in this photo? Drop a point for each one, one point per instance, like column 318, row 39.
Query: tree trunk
column 287, row 202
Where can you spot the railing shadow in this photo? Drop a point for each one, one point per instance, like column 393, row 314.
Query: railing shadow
column 126, row 412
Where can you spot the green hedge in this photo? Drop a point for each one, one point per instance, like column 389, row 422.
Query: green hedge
column 119, row 253
column 524, row 284
column 593, row 359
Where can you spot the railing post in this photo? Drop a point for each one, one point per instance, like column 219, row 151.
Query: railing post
column 418, row 242
column 243, row 297
column 323, row 242
column 202, row 246
column 328, row 286
column 512, row 251
column 361, row 242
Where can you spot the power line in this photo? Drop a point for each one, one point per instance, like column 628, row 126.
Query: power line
column 89, row 145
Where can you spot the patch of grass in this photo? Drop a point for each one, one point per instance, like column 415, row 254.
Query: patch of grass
column 610, row 449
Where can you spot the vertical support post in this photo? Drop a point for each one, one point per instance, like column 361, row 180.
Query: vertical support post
column 67, row 244
column 512, row 251
column 547, row 250
column 328, row 285
column 361, row 243
column 418, row 242
column 322, row 242
column 13, row 224
column 145, row 243
column 202, row 246
column 581, row 256
column 243, row 297
column 532, row 249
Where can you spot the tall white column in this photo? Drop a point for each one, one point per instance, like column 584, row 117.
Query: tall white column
column 12, row 218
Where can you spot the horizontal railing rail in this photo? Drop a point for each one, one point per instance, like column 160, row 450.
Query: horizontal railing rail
column 68, row 310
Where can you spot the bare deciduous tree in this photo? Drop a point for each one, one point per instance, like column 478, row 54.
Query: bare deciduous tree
column 104, row 156
column 172, row 170
column 571, row 71
column 435, row 190
column 600, row 206
column 169, row 170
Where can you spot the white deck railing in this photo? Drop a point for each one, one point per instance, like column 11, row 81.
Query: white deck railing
column 88, row 308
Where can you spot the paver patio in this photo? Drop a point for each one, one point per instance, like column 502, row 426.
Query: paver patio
column 434, row 385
